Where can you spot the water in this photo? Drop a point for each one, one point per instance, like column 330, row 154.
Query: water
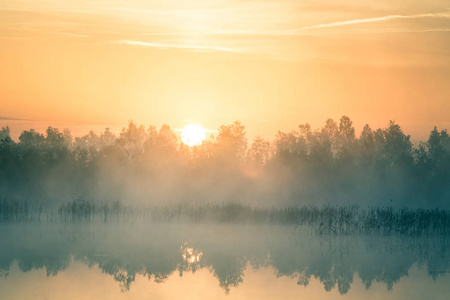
column 216, row 261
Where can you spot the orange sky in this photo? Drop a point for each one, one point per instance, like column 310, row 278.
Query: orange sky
column 271, row 64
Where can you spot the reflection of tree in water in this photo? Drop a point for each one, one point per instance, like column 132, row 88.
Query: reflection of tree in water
column 157, row 253
column 229, row 271
column 34, row 250
column 27, row 262
column 191, row 259
column 125, row 276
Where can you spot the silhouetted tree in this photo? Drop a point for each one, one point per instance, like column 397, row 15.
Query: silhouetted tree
column 329, row 165
column 231, row 142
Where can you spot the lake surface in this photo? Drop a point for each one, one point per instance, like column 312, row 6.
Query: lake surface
column 216, row 261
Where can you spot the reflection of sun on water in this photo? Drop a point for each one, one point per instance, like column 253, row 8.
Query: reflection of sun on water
column 190, row 255
column 193, row 135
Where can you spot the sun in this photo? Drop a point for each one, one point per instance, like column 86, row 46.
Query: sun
column 193, row 135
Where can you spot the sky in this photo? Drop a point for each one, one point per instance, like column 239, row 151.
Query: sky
column 270, row 64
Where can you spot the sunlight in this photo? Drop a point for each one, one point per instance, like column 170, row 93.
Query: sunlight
column 193, row 135
column 190, row 255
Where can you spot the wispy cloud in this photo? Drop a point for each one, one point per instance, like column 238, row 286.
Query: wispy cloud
column 304, row 30
column 228, row 33
column 182, row 46
column 13, row 119
column 371, row 20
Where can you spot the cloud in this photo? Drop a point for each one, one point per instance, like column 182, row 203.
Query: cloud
column 236, row 32
column 13, row 119
column 304, row 30
column 192, row 47
column 371, row 20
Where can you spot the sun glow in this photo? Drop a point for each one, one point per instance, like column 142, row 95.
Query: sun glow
column 193, row 135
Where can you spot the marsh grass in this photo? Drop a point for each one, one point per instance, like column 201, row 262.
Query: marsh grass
column 322, row 220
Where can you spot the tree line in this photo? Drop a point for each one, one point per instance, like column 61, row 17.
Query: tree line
column 329, row 165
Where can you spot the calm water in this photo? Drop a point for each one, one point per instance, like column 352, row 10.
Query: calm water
column 171, row 261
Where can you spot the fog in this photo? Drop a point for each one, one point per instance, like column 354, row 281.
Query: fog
column 148, row 167
column 324, row 205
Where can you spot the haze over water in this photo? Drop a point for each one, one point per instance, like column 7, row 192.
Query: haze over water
column 117, row 261
column 224, row 150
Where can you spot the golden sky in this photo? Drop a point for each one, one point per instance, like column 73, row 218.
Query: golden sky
column 270, row 64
